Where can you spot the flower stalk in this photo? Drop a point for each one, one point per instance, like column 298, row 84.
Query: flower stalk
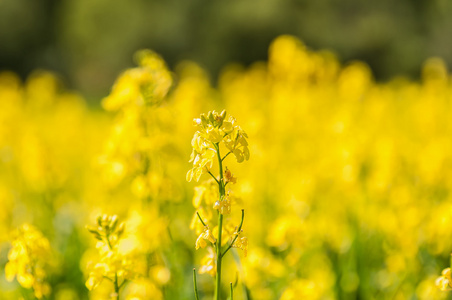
column 111, row 264
column 220, row 227
column 195, row 284
column 216, row 132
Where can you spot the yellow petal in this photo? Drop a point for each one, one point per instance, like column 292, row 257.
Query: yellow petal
column 238, row 155
column 189, row 176
column 25, row 280
column 10, row 271
column 92, row 282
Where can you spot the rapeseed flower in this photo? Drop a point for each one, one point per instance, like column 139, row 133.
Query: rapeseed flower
column 28, row 260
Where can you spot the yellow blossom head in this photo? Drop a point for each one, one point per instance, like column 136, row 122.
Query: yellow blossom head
column 215, row 129
column 28, row 260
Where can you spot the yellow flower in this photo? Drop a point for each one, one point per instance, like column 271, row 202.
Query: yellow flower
column 96, row 276
column 213, row 130
column 147, row 84
column 213, row 134
column 223, row 206
column 208, row 263
column 200, row 242
column 27, row 260
column 113, row 262
column 236, row 142
column 206, row 235
column 229, row 177
column 241, row 243
column 444, row 282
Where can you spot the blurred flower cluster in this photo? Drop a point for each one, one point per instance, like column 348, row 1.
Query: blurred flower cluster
column 347, row 195
column 28, row 259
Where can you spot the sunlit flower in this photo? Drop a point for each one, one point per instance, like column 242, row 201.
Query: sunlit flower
column 223, row 206
column 229, row 177
column 28, row 259
column 444, row 282
column 208, row 263
column 206, row 235
column 113, row 262
column 242, row 243
column 213, row 130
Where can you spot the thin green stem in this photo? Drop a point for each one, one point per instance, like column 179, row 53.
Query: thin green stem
column 232, row 292
column 115, row 282
column 195, row 284
column 107, row 237
column 237, row 235
column 220, row 163
column 219, row 257
column 200, row 219
column 213, row 176
column 220, row 226
column 224, row 157
column 122, row 284
column 116, row 286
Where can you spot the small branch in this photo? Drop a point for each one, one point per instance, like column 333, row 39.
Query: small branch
column 200, row 219
column 226, row 155
column 213, row 176
column 122, row 284
column 195, row 285
column 238, row 232
column 107, row 237
column 116, row 286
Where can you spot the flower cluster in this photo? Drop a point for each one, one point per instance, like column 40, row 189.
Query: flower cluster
column 133, row 150
column 113, row 264
column 214, row 129
column 444, row 282
column 28, row 260
column 208, row 263
column 206, row 235
column 145, row 85
column 241, row 243
column 216, row 132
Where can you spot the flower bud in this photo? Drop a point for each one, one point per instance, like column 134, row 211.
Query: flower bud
column 210, row 117
column 223, row 114
column 120, row 229
column 113, row 222
column 203, row 120
column 92, row 229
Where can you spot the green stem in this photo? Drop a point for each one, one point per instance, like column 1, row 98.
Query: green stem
column 232, row 294
column 213, row 177
column 195, row 284
column 121, row 285
column 220, row 227
column 219, row 257
column 200, row 219
column 220, row 163
column 237, row 235
column 116, row 286
column 115, row 282
column 226, row 156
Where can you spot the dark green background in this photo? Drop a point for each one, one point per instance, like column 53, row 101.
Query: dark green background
column 90, row 41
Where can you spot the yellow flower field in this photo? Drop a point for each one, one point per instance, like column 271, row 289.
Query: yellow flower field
column 329, row 185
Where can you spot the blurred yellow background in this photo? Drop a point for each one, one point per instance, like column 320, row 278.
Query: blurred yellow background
column 347, row 189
